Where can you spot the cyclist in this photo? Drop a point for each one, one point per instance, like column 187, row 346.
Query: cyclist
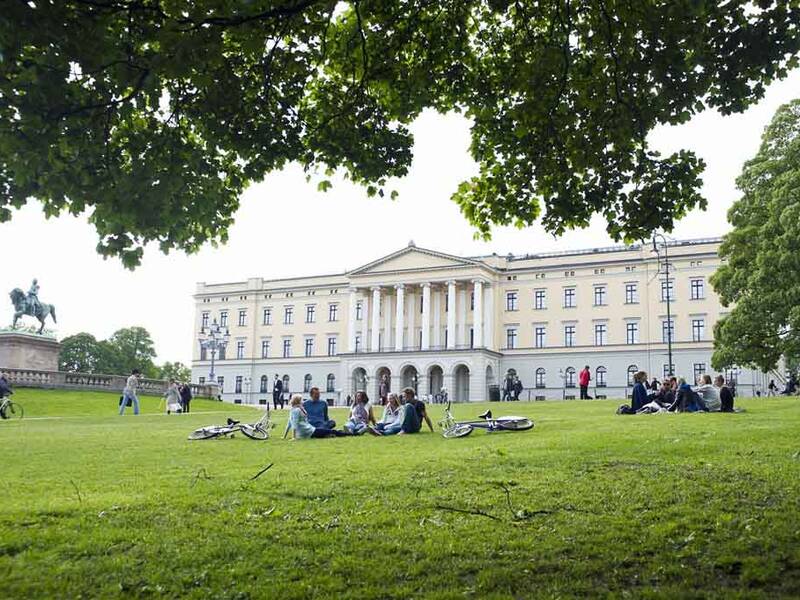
column 5, row 390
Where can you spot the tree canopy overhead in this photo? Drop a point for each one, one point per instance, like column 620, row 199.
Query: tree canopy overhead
column 153, row 115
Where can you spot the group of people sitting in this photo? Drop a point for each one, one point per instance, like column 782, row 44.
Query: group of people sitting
column 401, row 415
column 675, row 395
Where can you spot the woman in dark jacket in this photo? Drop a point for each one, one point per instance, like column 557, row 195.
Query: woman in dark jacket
column 639, row 391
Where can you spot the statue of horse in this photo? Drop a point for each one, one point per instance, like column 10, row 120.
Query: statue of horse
column 21, row 308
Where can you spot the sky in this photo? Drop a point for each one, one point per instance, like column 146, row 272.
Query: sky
column 286, row 228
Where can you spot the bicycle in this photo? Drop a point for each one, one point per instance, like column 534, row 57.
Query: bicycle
column 255, row 431
column 457, row 429
column 9, row 409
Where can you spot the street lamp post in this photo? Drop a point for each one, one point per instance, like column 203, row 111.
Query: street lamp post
column 214, row 339
column 667, row 279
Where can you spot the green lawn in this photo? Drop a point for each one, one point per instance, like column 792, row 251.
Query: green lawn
column 587, row 503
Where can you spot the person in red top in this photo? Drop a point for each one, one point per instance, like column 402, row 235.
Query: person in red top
column 583, row 380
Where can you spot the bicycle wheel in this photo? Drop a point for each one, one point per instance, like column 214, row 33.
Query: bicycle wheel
column 514, row 423
column 457, row 431
column 254, row 432
column 13, row 411
column 207, row 433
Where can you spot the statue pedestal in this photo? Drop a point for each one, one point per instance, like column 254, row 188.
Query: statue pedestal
column 20, row 350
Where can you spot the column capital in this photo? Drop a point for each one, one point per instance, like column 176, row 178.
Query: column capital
column 399, row 286
column 425, row 284
column 451, row 282
column 376, row 288
column 480, row 280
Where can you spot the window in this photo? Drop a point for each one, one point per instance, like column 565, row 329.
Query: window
column 471, row 338
column 288, row 315
column 699, row 370
column 698, row 329
column 569, row 377
column 242, row 318
column 309, row 346
column 569, row 335
column 286, row 384
column 238, row 386
column 511, row 300
column 569, row 298
column 333, row 312
column 667, row 290
column 310, row 313
column 359, row 310
column 539, row 336
column 667, row 330
column 631, row 293
column 599, row 295
column 472, row 300
column 697, row 289
column 632, row 370
column 631, row 333
column 201, row 380
column 264, row 385
column 539, row 380
column 358, row 343
column 223, row 318
column 539, row 298
column 240, row 349
column 203, row 353
column 511, row 338
column 287, row 348
column 307, row 383
column 221, row 353
column 264, row 348
column 600, row 334
column 267, row 316
column 669, row 371
column 600, row 377
column 220, row 382
column 331, row 346
column 330, row 386
column 204, row 320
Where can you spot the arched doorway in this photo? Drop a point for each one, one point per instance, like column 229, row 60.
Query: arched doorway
column 435, row 380
column 358, row 381
column 461, row 383
column 380, row 374
column 409, row 376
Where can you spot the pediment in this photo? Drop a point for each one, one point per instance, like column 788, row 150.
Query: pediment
column 415, row 259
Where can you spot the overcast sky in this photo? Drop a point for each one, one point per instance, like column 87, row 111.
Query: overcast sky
column 286, row 228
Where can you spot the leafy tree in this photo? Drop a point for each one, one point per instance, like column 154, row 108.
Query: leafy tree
column 80, row 353
column 760, row 273
column 153, row 116
column 132, row 348
column 175, row 370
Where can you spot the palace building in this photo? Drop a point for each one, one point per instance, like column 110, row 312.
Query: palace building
column 426, row 319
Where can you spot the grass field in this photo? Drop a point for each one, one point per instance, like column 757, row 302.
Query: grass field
column 586, row 504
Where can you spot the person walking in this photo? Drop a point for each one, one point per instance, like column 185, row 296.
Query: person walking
column 584, row 377
column 277, row 392
column 771, row 388
column 129, row 393
column 517, row 388
column 173, row 397
column 186, row 396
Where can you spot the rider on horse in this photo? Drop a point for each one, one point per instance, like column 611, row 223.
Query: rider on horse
column 33, row 299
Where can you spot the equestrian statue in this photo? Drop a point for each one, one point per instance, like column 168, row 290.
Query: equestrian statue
column 30, row 305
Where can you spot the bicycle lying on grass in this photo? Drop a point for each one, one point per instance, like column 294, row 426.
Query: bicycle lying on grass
column 456, row 429
column 9, row 409
column 255, row 431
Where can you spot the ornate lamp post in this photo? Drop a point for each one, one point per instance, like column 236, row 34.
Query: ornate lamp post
column 214, row 339
column 665, row 267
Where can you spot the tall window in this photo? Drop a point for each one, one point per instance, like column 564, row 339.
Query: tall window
column 631, row 333
column 358, row 343
column 264, row 384
column 600, row 377
column 569, row 377
column 632, row 370
column 600, row 334
column 539, row 298
column 331, row 346
column 223, row 318
column 310, row 313
column 667, row 330
column 699, row 370
column 330, row 385
column 307, row 383
column 511, row 300
column 288, row 315
column 201, row 380
column 204, row 320
column 237, row 389
column 203, row 355
column 698, row 329
column 667, row 290
column 668, row 372
column 309, row 346
column 472, row 300
column 569, row 335
column 569, row 298
column 240, row 349
column 242, row 317
column 221, row 353
column 264, row 348
column 511, row 338
column 333, row 312
column 287, row 348
column 697, row 289
column 539, row 336
column 221, row 382
column 267, row 316
column 539, row 380
column 359, row 310
column 599, row 295
column 631, row 293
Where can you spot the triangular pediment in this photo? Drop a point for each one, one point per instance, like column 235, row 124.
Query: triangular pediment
column 415, row 259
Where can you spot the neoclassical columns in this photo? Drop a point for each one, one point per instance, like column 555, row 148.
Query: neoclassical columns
column 376, row 320
column 437, row 318
column 399, row 325
column 364, row 322
column 477, row 313
column 451, row 315
column 426, row 317
column 351, row 321
column 489, row 321
column 461, row 318
column 412, row 320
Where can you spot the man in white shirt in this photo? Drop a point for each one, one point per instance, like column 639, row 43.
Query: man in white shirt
column 129, row 393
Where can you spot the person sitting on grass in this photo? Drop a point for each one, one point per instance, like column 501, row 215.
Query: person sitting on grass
column 639, row 395
column 725, row 395
column 414, row 413
column 359, row 415
column 362, row 395
column 317, row 410
column 301, row 428
column 665, row 396
column 391, row 413
column 709, row 394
